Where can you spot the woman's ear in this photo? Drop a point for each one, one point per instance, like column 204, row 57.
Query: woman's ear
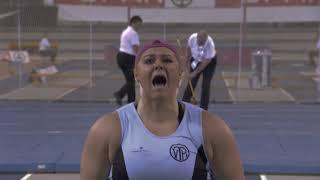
column 135, row 74
column 180, row 73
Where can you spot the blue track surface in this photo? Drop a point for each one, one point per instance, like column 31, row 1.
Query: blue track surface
column 48, row 137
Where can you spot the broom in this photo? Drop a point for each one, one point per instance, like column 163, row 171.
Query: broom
column 183, row 84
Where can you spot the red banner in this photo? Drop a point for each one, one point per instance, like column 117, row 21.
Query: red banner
column 4, row 56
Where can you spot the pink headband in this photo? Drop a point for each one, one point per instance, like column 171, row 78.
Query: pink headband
column 157, row 43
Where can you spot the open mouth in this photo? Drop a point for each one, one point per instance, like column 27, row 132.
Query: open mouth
column 159, row 81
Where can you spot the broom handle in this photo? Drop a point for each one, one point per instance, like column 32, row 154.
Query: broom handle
column 192, row 90
column 189, row 81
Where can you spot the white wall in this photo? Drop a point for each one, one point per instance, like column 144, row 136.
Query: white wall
column 190, row 15
column 231, row 15
column 284, row 14
column 92, row 13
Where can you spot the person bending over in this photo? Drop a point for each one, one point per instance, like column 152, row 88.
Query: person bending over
column 201, row 60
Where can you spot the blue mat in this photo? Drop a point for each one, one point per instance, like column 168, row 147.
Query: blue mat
column 48, row 137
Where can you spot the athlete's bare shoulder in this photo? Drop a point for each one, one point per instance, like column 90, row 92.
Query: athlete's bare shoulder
column 100, row 147
column 215, row 123
column 107, row 128
column 221, row 148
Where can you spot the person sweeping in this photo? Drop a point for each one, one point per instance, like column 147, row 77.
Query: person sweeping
column 201, row 60
column 185, row 81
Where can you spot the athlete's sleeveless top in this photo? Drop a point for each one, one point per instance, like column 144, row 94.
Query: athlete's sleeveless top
column 143, row 155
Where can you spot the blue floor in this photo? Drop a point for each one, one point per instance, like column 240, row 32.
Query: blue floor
column 48, row 137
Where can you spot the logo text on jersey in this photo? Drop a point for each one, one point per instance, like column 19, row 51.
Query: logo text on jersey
column 179, row 152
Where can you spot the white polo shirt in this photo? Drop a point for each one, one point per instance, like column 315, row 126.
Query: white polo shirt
column 207, row 51
column 129, row 38
column 44, row 44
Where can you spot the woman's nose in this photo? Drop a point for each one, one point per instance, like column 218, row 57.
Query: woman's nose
column 158, row 64
column 158, row 67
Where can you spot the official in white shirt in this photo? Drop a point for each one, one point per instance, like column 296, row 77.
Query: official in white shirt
column 46, row 49
column 129, row 45
column 201, row 59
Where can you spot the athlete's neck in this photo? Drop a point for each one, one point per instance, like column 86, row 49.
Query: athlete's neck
column 158, row 110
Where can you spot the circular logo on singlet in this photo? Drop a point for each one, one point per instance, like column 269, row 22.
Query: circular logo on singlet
column 181, row 3
column 179, row 152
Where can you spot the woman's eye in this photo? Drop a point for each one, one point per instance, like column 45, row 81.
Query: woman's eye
column 167, row 60
column 148, row 61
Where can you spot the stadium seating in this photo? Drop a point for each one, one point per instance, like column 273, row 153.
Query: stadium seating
column 30, row 46
column 287, row 42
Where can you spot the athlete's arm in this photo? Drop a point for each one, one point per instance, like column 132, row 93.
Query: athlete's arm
column 203, row 64
column 99, row 149
column 221, row 148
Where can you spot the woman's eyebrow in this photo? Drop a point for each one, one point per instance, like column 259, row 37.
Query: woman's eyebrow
column 166, row 55
column 148, row 55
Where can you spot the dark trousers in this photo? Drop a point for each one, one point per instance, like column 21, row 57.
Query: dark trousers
column 126, row 64
column 207, row 75
column 52, row 53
